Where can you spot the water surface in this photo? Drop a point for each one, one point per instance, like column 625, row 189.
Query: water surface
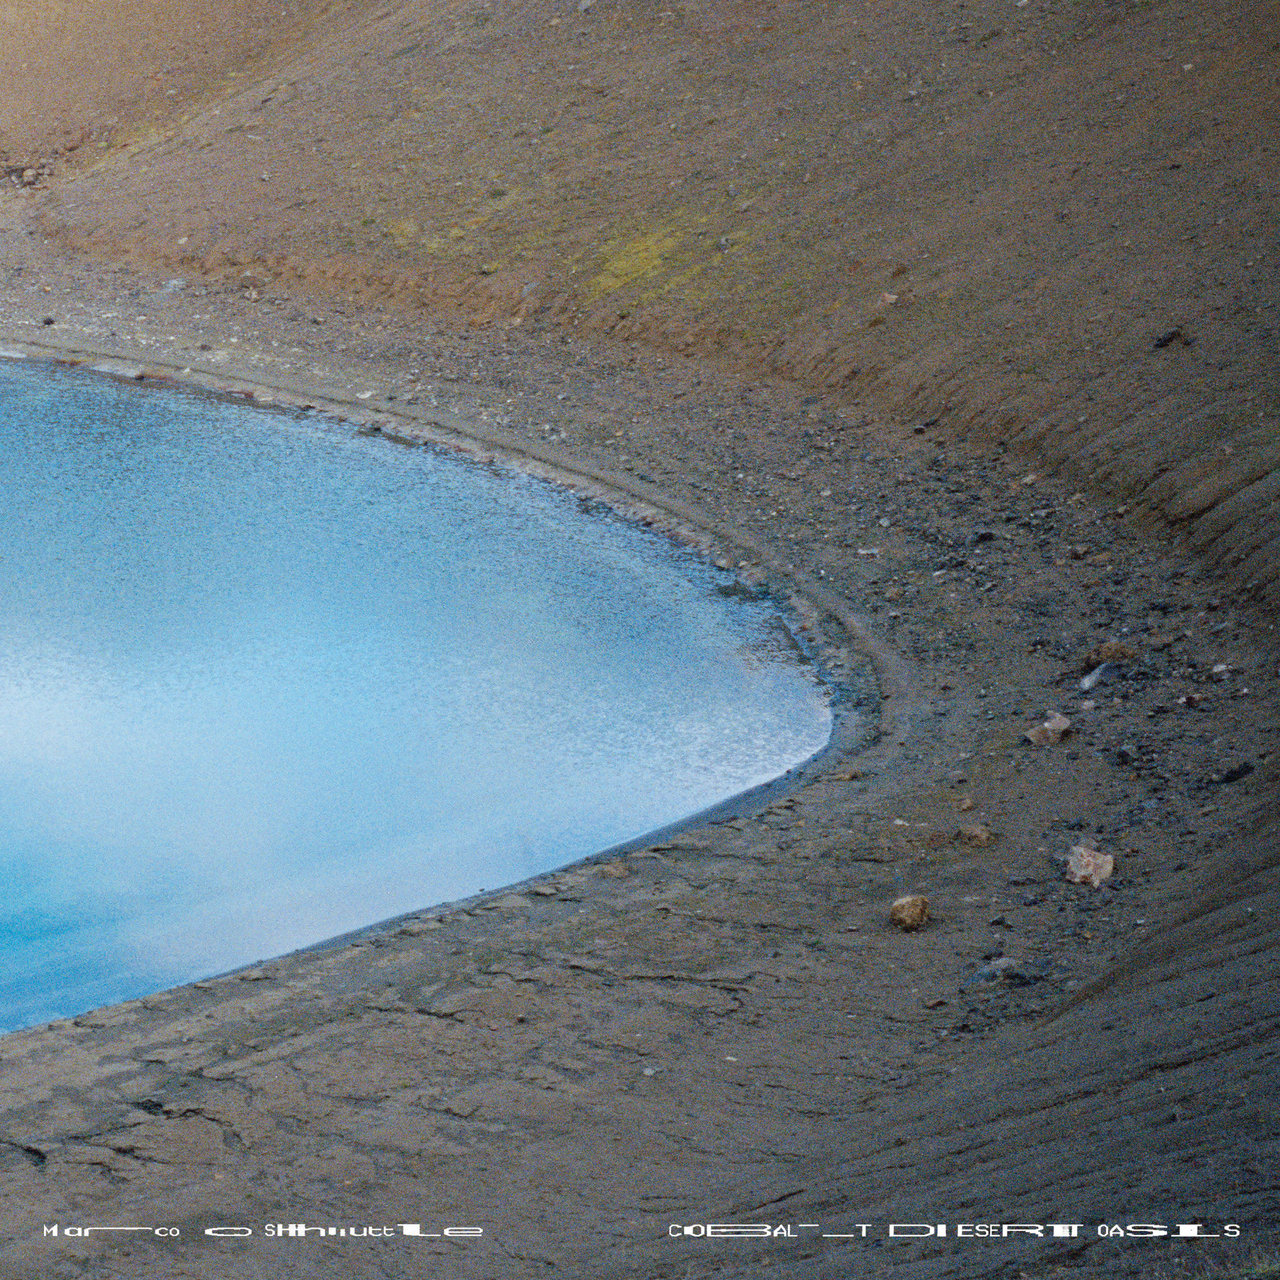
column 263, row 681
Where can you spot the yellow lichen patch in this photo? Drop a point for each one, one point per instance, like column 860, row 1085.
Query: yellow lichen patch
column 702, row 258
column 639, row 260
column 127, row 143
column 679, row 282
column 404, row 231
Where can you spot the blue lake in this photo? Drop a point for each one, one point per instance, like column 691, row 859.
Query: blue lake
column 264, row 681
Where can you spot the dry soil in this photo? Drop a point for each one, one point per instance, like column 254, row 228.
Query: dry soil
column 955, row 325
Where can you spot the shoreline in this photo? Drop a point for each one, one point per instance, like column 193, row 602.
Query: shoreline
column 720, row 1025
column 852, row 694
column 644, row 504
column 864, row 710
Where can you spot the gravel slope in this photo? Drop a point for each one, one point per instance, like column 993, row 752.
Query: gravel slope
column 939, row 322
column 1050, row 225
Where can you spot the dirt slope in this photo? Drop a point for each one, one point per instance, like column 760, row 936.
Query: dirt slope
column 1045, row 223
column 80, row 70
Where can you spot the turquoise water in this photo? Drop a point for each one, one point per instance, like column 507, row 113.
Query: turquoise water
column 263, row 681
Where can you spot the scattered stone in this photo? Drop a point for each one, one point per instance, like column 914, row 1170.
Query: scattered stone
column 1191, row 699
column 1107, row 671
column 965, row 804
column 1235, row 773
column 416, row 927
column 909, row 913
column 1109, row 651
column 1053, row 730
column 977, row 836
column 1089, row 866
column 995, row 970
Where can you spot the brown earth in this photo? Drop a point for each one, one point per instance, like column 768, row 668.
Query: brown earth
column 986, row 290
column 987, row 214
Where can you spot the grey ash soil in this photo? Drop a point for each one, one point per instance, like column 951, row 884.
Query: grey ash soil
column 723, row 1026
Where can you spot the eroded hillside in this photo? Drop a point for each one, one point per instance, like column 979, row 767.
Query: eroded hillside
column 1045, row 222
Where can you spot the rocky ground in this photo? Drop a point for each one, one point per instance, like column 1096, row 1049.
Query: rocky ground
column 723, row 1026
column 940, row 337
column 1044, row 224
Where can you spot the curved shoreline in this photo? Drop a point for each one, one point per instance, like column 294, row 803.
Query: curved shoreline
column 974, row 322
column 804, row 601
column 451, row 430
column 848, row 698
column 720, row 1025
